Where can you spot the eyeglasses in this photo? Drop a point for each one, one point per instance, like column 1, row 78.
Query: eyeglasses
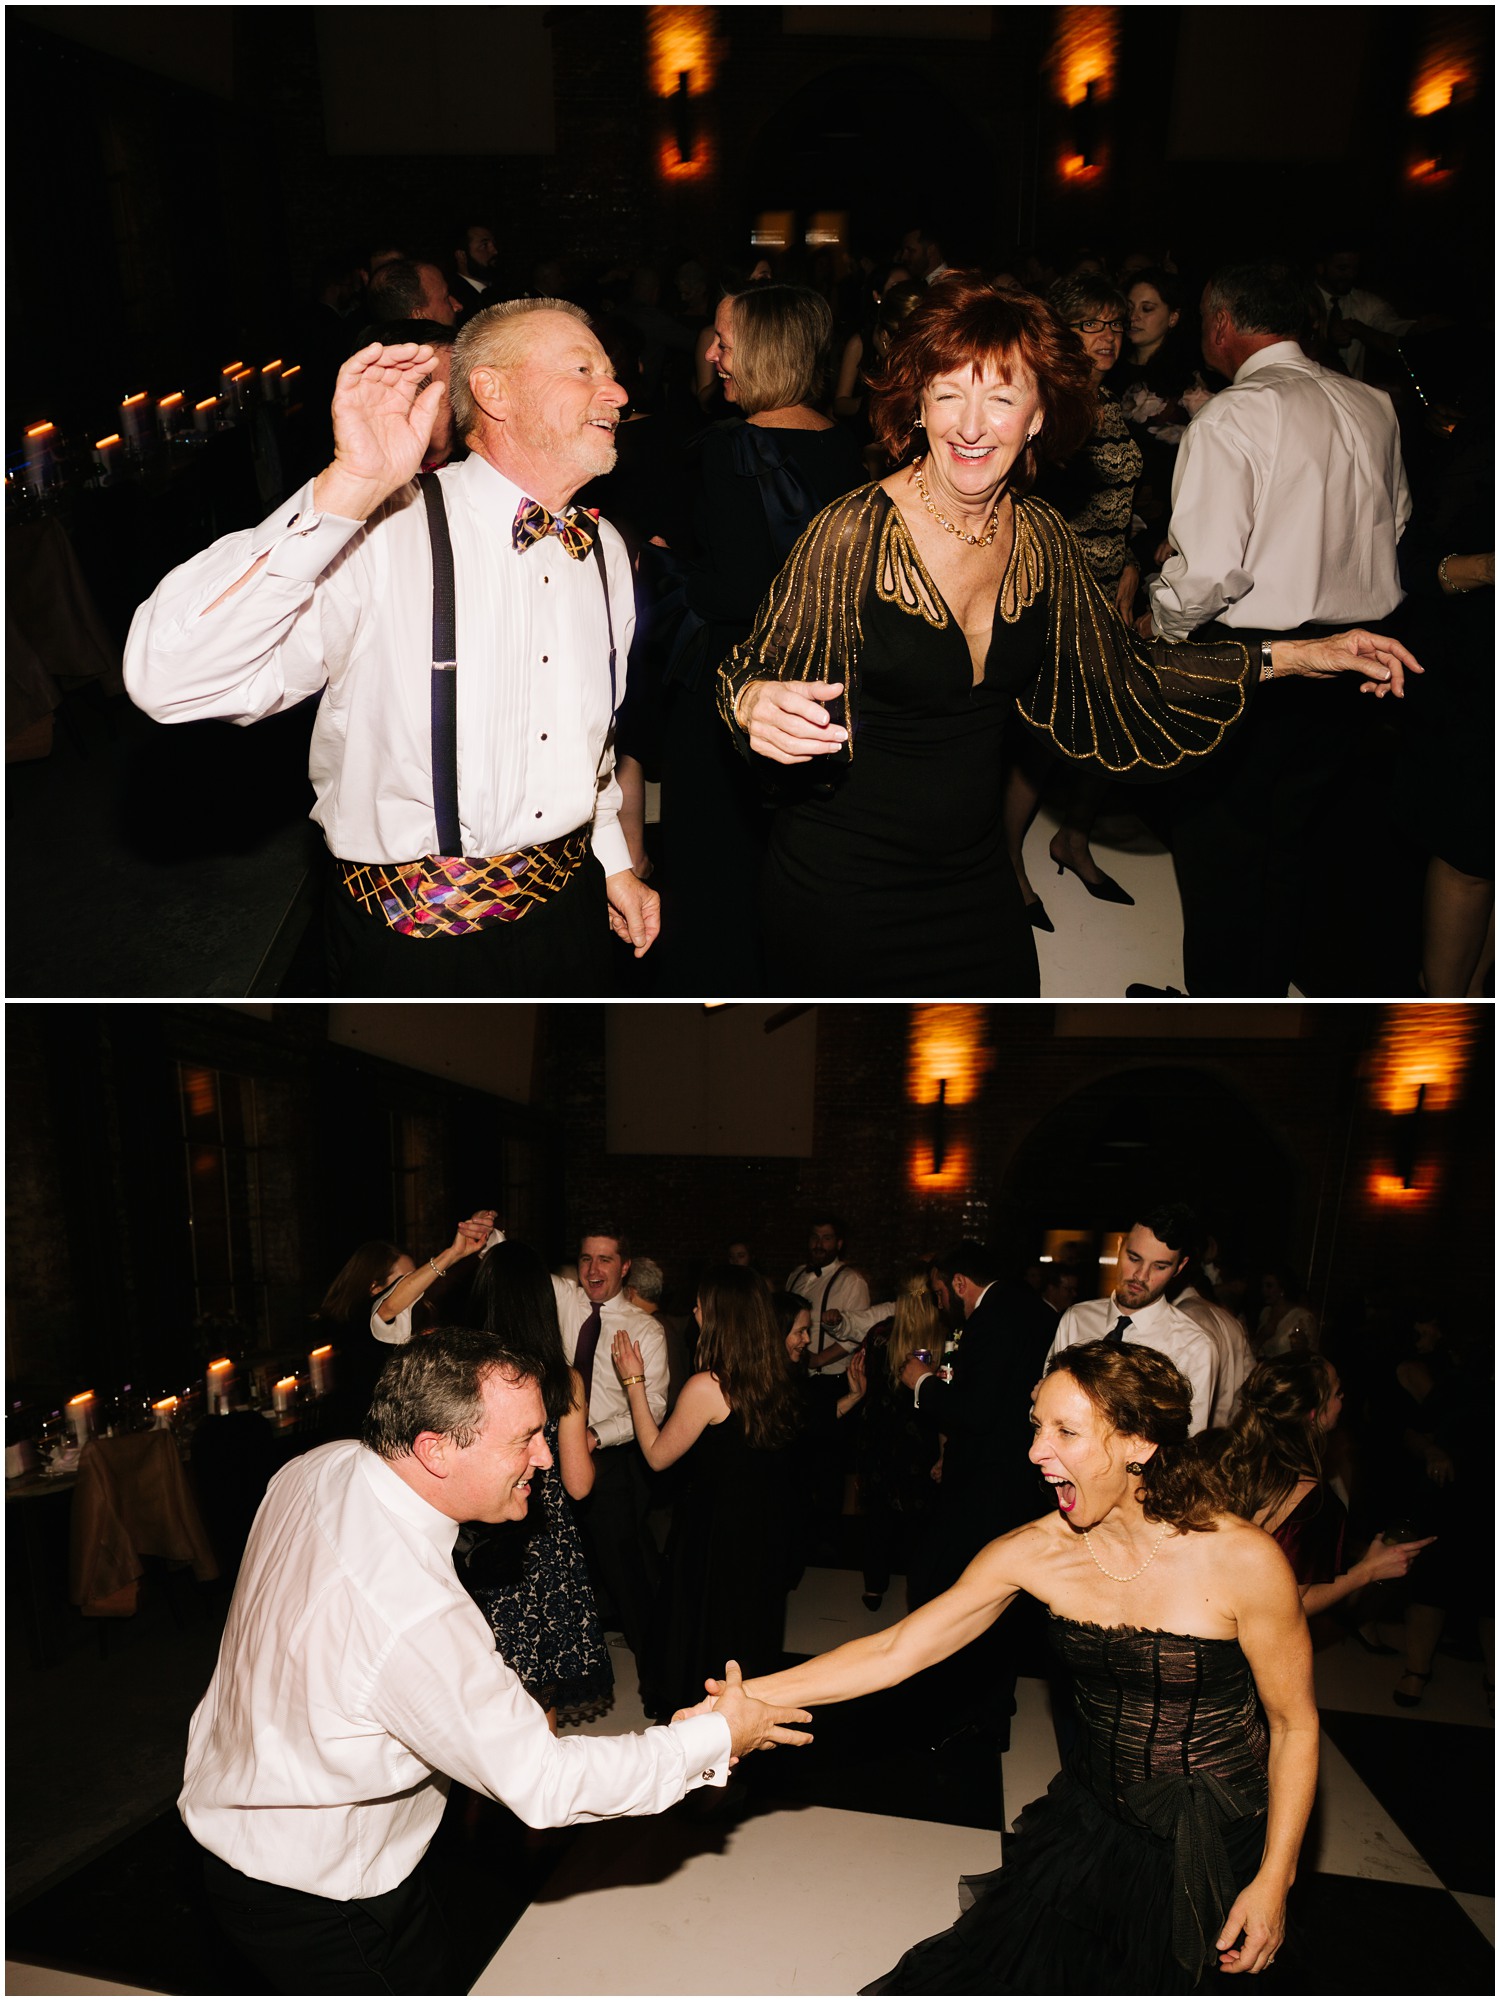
column 1094, row 326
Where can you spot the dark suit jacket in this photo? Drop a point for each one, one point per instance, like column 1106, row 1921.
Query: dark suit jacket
column 988, row 1485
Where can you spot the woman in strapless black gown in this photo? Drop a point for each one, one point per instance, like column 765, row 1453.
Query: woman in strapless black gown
column 1167, row 1845
column 920, row 618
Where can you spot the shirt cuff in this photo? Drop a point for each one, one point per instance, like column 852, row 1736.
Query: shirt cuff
column 611, row 849
column 306, row 541
column 705, row 1746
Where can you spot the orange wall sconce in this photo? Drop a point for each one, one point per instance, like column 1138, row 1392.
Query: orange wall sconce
column 948, row 1058
column 1082, row 61
column 1441, row 90
column 682, row 63
column 1414, row 1075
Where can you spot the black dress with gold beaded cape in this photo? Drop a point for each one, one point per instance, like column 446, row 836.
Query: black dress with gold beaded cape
column 887, row 872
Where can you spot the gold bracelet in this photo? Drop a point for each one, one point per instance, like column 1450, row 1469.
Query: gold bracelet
column 628, row 1380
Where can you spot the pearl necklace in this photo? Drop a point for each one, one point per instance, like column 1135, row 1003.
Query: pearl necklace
column 1134, row 1573
column 974, row 541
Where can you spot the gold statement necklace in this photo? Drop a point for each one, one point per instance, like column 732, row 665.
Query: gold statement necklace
column 1132, row 1573
column 974, row 541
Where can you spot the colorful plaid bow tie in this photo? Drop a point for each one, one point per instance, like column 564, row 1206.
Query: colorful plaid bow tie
column 533, row 523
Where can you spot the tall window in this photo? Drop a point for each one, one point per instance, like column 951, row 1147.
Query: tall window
column 221, row 1141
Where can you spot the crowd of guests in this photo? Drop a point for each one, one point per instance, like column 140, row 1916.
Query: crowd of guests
column 750, row 411
column 425, row 1599
column 785, row 1422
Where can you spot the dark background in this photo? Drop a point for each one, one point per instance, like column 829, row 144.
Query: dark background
column 176, row 182
column 1273, row 1120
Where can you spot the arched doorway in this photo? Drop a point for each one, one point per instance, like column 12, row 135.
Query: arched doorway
column 844, row 141
column 1139, row 1136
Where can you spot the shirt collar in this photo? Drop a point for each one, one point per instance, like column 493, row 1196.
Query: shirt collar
column 1279, row 354
column 492, row 496
column 1143, row 1315
column 393, row 1493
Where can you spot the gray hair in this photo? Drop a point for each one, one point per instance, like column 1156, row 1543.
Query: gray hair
column 496, row 338
column 436, row 1383
column 1267, row 298
column 646, row 1278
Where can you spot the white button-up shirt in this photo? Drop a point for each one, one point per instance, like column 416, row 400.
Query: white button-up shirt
column 1288, row 499
column 356, row 1676
column 345, row 608
column 609, row 1401
column 1233, row 1356
column 839, row 1287
column 1158, row 1326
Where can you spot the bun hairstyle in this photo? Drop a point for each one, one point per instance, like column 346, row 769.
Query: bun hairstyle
column 1273, row 1440
column 1137, row 1391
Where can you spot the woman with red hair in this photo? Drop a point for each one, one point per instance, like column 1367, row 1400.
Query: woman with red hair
column 913, row 619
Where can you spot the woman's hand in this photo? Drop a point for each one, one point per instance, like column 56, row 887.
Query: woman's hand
column 473, row 1233
column 856, row 1372
column 1259, row 1911
column 1381, row 662
column 787, row 721
column 1458, row 574
column 385, row 404
column 627, row 1356
column 1384, row 1560
column 1440, row 1467
column 1125, row 590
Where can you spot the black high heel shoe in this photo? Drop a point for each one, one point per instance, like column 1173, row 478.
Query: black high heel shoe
column 1036, row 911
column 1106, row 888
column 1372, row 1646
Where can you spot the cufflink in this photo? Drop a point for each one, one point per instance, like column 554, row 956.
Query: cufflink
column 706, row 1775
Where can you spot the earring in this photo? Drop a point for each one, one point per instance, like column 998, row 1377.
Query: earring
column 1134, row 1466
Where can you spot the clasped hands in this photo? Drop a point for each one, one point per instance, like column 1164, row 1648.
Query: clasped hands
column 753, row 1725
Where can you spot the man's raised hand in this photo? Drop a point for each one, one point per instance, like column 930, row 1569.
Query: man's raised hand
column 384, row 407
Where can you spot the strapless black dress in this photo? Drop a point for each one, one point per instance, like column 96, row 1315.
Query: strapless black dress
column 1118, row 1879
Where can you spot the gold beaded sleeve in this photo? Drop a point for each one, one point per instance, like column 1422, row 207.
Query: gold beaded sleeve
column 809, row 624
column 1133, row 708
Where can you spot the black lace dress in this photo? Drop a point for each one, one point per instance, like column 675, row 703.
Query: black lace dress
column 531, row 1582
column 1117, row 1880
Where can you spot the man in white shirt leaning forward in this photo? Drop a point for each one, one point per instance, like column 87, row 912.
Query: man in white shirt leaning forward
column 356, row 1678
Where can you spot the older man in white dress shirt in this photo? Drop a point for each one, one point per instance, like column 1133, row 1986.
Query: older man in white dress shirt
column 1288, row 500
column 463, row 754
column 357, row 1677
column 1137, row 1312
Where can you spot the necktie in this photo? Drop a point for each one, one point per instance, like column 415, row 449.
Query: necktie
column 533, row 523
column 1115, row 1338
column 583, row 1354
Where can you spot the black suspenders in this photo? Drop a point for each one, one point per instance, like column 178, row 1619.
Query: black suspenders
column 445, row 664
column 444, row 673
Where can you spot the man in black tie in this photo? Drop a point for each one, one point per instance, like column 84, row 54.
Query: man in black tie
column 623, row 1558
column 1137, row 1311
column 463, row 751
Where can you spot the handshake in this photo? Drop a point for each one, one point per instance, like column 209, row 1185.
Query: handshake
column 753, row 1725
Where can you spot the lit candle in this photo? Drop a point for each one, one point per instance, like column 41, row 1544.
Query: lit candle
column 284, row 1394
column 220, row 1384
column 243, row 387
column 39, row 442
column 226, row 380
column 108, row 454
column 321, row 1362
column 290, row 386
column 203, row 414
column 270, row 380
column 164, row 1412
column 170, row 412
column 135, row 416
column 81, row 1417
